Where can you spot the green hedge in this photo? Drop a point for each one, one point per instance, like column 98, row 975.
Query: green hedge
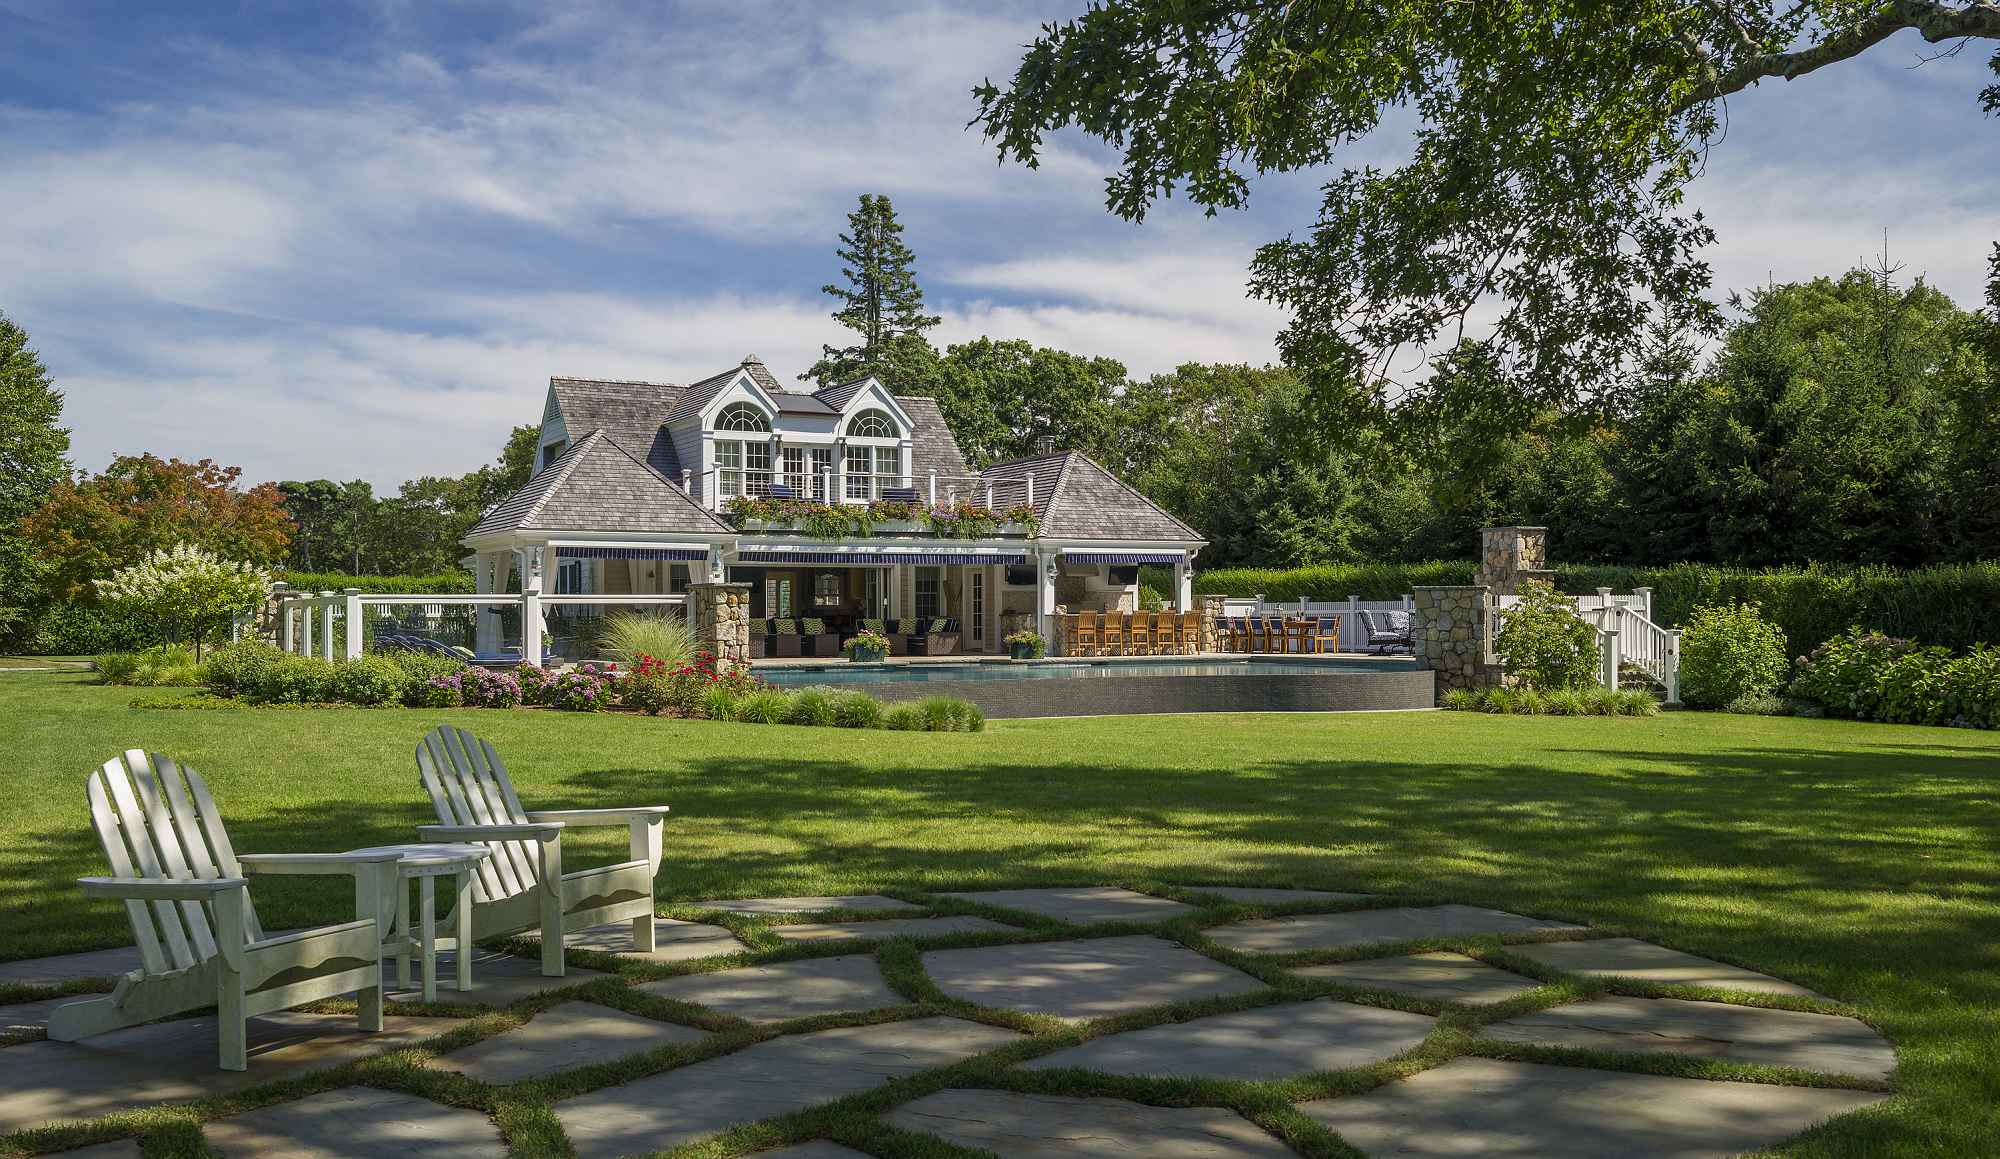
column 1956, row 606
column 446, row 583
column 85, row 630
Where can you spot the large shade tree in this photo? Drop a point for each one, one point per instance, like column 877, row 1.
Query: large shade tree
column 1550, row 148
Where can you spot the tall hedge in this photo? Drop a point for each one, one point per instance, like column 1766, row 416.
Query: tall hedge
column 1956, row 606
column 444, row 584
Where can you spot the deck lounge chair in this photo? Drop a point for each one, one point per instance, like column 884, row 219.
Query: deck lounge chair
column 1386, row 631
column 522, row 887
column 199, row 941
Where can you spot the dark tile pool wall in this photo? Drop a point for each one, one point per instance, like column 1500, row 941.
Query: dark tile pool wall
column 1113, row 695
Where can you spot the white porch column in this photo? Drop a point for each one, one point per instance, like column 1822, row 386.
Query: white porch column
column 1183, row 585
column 1045, row 595
column 354, row 614
column 486, row 617
column 326, row 625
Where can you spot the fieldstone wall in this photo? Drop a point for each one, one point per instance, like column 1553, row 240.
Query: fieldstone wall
column 720, row 616
column 1510, row 555
column 1449, row 636
column 1211, row 623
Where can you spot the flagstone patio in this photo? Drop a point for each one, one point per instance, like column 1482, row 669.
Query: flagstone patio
column 1292, row 1023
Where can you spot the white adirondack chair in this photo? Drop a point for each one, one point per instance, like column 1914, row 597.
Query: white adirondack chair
column 522, row 886
column 200, row 943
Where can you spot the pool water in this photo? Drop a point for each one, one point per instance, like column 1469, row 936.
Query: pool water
column 1059, row 670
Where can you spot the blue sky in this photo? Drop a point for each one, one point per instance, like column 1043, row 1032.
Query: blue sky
column 354, row 240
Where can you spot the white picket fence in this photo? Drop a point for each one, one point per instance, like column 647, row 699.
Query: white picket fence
column 1626, row 633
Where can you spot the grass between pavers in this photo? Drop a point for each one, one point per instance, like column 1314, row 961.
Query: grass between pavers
column 1858, row 860
column 524, row 1112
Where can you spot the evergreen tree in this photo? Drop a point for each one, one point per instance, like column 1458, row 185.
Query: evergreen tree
column 881, row 302
column 33, row 459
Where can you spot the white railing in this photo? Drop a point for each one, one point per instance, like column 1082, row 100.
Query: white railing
column 1631, row 639
column 708, row 487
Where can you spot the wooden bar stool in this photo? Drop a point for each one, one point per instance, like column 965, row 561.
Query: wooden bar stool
column 1139, row 635
column 1113, row 634
column 1087, row 640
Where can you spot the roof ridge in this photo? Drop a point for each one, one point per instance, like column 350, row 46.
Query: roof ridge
column 555, row 378
column 574, row 456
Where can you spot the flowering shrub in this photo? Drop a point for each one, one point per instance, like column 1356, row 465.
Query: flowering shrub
column 534, row 683
column 486, row 689
column 577, row 690
column 187, row 591
column 960, row 520
column 1869, row 676
column 437, row 692
column 686, row 689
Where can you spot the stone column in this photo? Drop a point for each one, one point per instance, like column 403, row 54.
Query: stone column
column 1510, row 555
column 1449, row 636
column 1212, row 607
column 719, row 614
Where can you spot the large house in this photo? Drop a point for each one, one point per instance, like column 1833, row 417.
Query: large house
column 644, row 487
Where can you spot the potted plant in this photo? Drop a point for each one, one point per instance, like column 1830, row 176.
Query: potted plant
column 1027, row 645
column 866, row 647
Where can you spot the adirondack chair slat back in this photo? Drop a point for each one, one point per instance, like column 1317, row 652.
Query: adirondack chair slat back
column 156, row 818
column 468, row 785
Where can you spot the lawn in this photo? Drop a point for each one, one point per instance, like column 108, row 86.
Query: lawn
column 1860, row 860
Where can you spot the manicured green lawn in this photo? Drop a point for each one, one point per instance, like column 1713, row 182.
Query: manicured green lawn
column 1860, row 860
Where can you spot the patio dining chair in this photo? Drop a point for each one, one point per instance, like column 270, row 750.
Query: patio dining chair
column 1139, row 634
column 1166, row 633
column 1085, row 639
column 188, row 902
column 1326, row 635
column 1190, row 633
column 1114, row 635
column 1273, row 634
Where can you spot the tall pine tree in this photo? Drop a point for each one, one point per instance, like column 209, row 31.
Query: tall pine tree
column 33, row 458
column 881, row 303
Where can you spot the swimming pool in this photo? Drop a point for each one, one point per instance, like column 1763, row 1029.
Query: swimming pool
column 1109, row 687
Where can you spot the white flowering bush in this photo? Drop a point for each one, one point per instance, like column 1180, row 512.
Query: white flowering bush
column 188, row 591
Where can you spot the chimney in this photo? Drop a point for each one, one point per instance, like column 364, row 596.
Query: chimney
column 1045, row 444
column 752, row 360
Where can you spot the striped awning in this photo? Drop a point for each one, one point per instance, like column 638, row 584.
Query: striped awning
column 568, row 551
column 879, row 558
column 1123, row 557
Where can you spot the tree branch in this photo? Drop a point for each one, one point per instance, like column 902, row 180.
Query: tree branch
column 1934, row 21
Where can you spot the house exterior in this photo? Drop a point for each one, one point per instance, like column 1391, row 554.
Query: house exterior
column 841, row 504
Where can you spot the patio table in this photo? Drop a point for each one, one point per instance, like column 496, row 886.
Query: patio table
column 425, row 862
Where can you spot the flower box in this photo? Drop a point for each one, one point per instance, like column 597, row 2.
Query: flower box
column 895, row 525
column 867, row 655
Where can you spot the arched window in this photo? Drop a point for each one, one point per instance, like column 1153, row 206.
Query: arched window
column 741, row 417
column 872, row 424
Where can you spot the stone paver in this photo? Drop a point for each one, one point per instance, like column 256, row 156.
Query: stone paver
column 1291, row 935
column 27, row 1020
column 771, row 1078
column 786, row 989
column 357, row 1121
column 1023, row 1126
column 1822, row 1042
column 673, row 941
column 807, row 905
column 1269, row 1042
column 1084, row 905
column 119, row 1149
column 567, row 1035
column 1258, row 895
column 1084, row 979
column 891, row 928
column 163, row 1062
column 1441, row 976
column 1632, row 958
column 70, row 967
column 497, row 979
column 1497, row 1110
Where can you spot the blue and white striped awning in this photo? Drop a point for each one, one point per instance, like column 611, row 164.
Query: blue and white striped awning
column 1124, row 557
column 878, row 558
column 569, row 551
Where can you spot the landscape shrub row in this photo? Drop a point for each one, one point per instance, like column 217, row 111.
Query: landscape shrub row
column 1525, row 700
column 698, row 689
column 1866, row 675
column 444, row 583
column 1953, row 606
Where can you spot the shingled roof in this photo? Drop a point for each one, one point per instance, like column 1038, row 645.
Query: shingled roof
column 598, row 485
column 630, row 411
column 1077, row 499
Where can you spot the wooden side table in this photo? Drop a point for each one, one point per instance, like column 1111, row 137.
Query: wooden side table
column 425, row 863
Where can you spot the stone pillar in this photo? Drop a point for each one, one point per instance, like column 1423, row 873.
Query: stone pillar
column 1510, row 555
column 719, row 614
column 1212, row 607
column 1449, row 636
